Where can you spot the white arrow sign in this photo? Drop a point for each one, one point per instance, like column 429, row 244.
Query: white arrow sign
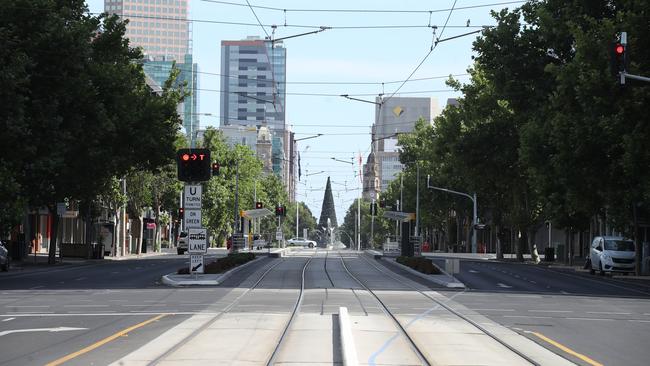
column 59, row 329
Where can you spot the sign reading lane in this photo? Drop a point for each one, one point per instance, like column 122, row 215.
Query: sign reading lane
column 197, row 241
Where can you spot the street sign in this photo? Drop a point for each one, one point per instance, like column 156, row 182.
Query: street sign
column 193, row 196
column 192, row 218
column 196, row 263
column 278, row 235
column 197, row 241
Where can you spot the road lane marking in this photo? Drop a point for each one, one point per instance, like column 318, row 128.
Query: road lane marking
column 601, row 319
column 84, row 306
column 58, row 329
column 104, row 341
column 639, row 321
column 27, row 306
column 473, row 271
column 492, row 309
column 36, row 287
column 8, row 319
column 607, row 313
column 566, row 349
column 503, row 285
column 527, row 316
column 551, row 311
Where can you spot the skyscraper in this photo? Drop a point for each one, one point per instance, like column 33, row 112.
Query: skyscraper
column 253, row 75
column 161, row 29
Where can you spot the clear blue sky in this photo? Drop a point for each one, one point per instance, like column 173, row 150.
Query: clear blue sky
column 376, row 55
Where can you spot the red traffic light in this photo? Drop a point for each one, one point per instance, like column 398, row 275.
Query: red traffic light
column 185, row 157
column 259, row 205
column 619, row 49
column 181, row 212
column 215, row 168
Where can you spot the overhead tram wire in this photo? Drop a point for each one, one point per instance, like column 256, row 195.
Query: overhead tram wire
column 258, row 20
column 433, row 47
column 397, row 11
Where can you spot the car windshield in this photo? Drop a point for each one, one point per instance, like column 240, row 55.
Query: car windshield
column 619, row 245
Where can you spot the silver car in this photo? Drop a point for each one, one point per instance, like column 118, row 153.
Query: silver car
column 4, row 257
column 611, row 254
column 302, row 242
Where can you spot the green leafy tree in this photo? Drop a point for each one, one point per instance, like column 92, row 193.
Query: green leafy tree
column 85, row 112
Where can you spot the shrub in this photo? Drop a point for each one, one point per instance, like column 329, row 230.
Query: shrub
column 420, row 264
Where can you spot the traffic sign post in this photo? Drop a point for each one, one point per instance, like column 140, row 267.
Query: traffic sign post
column 196, row 263
column 197, row 241
column 193, row 194
column 192, row 219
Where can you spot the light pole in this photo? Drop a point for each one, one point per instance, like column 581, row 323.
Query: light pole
column 474, row 213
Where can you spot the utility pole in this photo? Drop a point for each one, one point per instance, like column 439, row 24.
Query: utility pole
column 236, row 221
column 417, row 200
column 373, row 212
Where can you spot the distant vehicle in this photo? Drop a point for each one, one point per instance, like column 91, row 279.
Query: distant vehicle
column 182, row 243
column 4, row 257
column 302, row 242
column 611, row 254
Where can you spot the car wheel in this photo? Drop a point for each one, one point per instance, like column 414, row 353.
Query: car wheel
column 179, row 251
column 311, row 245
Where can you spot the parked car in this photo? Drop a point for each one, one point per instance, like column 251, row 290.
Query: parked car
column 302, row 242
column 182, row 243
column 4, row 257
column 611, row 254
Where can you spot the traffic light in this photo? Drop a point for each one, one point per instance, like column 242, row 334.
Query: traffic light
column 193, row 165
column 382, row 203
column 373, row 209
column 618, row 58
column 259, row 205
column 280, row 211
column 181, row 213
column 215, row 169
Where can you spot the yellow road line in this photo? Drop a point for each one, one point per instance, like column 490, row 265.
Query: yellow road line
column 103, row 341
column 567, row 349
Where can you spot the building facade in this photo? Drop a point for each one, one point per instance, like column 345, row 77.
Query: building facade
column 392, row 116
column 253, row 75
column 161, row 29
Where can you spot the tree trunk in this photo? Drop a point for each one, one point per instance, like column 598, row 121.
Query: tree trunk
column 499, row 242
column 54, row 233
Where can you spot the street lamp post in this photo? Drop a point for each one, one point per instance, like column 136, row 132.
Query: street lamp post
column 474, row 213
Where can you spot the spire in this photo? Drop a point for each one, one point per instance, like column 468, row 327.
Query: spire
column 328, row 210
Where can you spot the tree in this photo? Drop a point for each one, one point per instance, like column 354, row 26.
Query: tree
column 82, row 104
column 328, row 210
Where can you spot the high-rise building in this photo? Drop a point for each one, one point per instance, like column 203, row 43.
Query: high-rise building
column 253, row 94
column 161, row 29
column 253, row 75
column 392, row 117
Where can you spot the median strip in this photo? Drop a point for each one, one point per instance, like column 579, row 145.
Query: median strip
column 104, row 341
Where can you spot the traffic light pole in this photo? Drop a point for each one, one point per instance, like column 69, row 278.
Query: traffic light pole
column 474, row 209
column 625, row 75
column 373, row 212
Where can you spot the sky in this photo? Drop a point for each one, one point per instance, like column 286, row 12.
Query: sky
column 358, row 56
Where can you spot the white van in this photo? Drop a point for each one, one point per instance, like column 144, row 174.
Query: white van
column 611, row 254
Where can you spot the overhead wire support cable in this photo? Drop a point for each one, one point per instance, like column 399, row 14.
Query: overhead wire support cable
column 258, row 19
column 397, row 11
column 427, row 55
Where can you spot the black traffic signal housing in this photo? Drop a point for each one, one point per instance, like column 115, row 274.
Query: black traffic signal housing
column 215, row 169
column 181, row 213
column 280, row 211
column 382, row 203
column 259, row 205
column 618, row 61
column 193, row 165
column 373, row 209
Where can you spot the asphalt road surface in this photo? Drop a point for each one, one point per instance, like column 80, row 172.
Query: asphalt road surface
column 604, row 320
column 107, row 312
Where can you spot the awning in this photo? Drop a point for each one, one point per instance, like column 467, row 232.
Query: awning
column 399, row 216
column 256, row 213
